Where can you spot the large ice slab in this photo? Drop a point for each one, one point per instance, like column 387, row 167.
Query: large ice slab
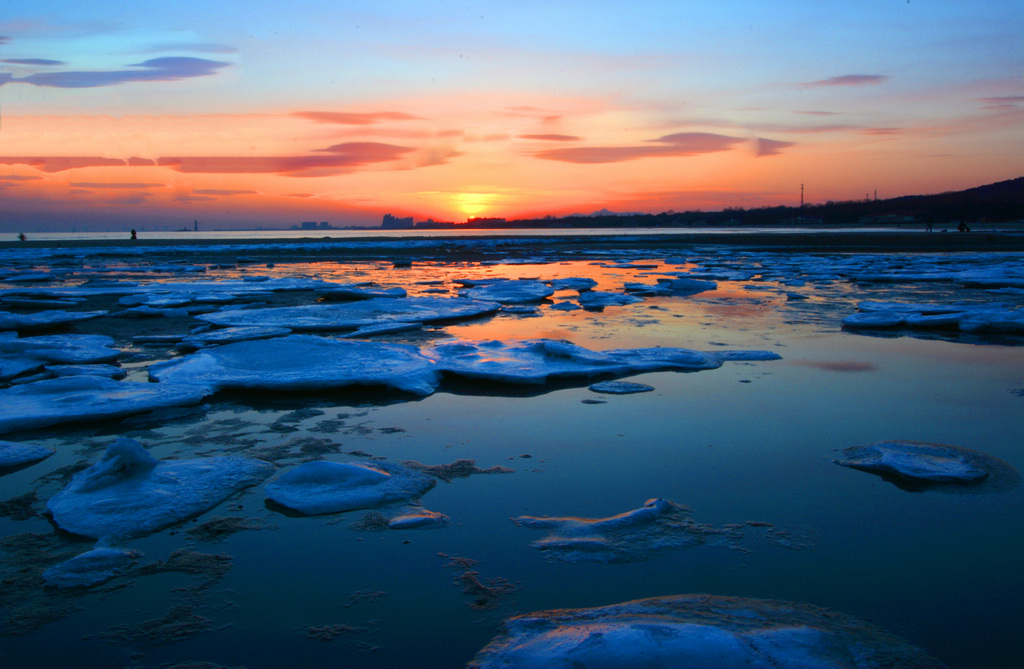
column 967, row 317
column 230, row 336
column 302, row 362
column 13, row 454
column 44, row 320
column 353, row 315
column 538, row 360
column 67, row 349
column 75, row 398
column 929, row 463
column 321, row 486
column 700, row 631
column 129, row 493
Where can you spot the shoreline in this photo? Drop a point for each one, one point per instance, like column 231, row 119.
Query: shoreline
column 448, row 246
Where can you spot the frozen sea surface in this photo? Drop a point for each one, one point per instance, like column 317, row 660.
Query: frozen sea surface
column 747, row 444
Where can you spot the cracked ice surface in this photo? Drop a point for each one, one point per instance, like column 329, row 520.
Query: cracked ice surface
column 302, row 362
column 352, row 315
column 322, row 486
column 539, row 360
column 73, row 398
column 129, row 493
column 698, row 631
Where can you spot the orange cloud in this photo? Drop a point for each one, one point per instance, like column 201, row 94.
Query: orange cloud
column 678, row 144
column 552, row 138
column 116, row 185
column 351, row 118
column 61, row 163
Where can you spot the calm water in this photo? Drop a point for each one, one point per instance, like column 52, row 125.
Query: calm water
column 746, row 442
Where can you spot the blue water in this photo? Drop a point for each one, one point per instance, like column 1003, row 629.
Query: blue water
column 746, row 442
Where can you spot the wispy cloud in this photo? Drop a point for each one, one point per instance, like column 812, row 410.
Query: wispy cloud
column 44, row 62
column 847, row 80
column 344, row 157
column 354, row 118
column 883, row 131
column 222, row 191
column 770, row 147
column 61, row 163
column 817, row 113
column 678, row 144
column 1003, row 102
column 95, row 185
column 552, row 138
column 155, row 69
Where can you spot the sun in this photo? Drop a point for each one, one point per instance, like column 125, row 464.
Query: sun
column 473, row 205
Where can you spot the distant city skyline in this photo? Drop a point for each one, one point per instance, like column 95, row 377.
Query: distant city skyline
column 117, row 114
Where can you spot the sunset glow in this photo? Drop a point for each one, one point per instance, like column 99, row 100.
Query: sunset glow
column 115, row 114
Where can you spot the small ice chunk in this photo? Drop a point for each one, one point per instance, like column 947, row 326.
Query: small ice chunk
column 511, row 291
column 90, row 568
column 420, row 519
column 919, row 461
column 13, row 454
column 577, row 283
column 876, row 319
column 321, row 486
column 620, row 387
column 697, row 631
column 74, row 398
column 129, row 493
column 596, row 299
column 303, row 362
column 66, row 349
column 108, row 371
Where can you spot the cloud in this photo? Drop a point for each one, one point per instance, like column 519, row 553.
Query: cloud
column 5, row 77
column 115, row 185
column 678, row 144
column 156, row 69
column 818, row 113
column 1003, row 103
column 18, row 177
column 46, row 62
column 61, row 163
column 552, row 138
column 141, row 162
column 848, row 80
column 352, row 118
column 345, row 157
column 220, row 192
column 883, row 131
column 769, row 147
column 4, row 39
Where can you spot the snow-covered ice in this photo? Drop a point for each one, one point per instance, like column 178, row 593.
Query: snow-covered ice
column 75, row 398
column 511, row 291
column 321, row 486
column 44, row 320
column 418, row 519
column 705, row 631
column 90, row 568
column 129, row 493
column 925, row 462
column 64, row 349
column 596, row 300
column 302, row 362
column 352, row 315
column 229, row 336
column 14, row 454
column 620, row 387
column 539, row 360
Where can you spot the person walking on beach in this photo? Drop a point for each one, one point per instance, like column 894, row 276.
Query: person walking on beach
column 133, row 234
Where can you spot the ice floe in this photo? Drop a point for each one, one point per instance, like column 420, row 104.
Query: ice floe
column 539, row 360
column 75, row 398
column 419, row 519
column 302, row 362
column 45, row 320
column 352, row 315
column 356, row 292
column 967, row 317
column 68, row 349
column 620, row 387
column 229, row 336
column 90, row 568
column 633, row 536
column 577, row 283
column 698, row 631
column 321, row 486
column 595, row 300
column 678, row 287
column 13, row 454
column 129, row 493
column 511, row 291
column 910, row 462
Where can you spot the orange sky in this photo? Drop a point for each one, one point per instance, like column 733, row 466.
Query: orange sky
column 107, row 119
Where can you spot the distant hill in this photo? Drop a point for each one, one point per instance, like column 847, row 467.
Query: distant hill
column 1002, row 201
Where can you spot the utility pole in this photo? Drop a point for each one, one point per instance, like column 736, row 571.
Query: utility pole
column 801, row 196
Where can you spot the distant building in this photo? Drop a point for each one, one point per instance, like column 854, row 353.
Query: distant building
column 307, row 225
column 394, row 223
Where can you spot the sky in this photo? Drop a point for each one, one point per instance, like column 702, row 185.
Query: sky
column 261, row 113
